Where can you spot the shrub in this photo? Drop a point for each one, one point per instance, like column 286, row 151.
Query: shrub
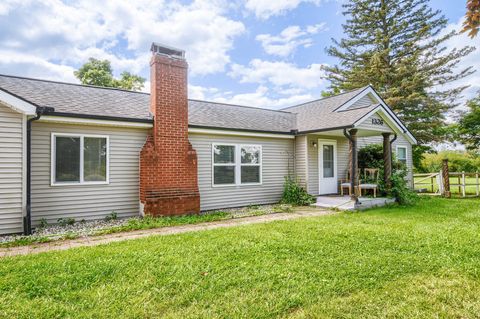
column 66, row 221
column 43, row 223
column 371, row 156
column 294, row 194
column 402, row 193
column 111, row 216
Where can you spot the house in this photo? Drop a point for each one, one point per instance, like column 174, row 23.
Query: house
column 69, row 150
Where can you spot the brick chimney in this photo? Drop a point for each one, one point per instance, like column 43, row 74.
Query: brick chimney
column 168, row 163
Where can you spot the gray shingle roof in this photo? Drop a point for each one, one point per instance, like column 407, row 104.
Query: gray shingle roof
column 98, row 101
column 321, row 115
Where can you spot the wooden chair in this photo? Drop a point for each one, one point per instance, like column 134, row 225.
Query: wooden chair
column 370, row 181
column 346, row 183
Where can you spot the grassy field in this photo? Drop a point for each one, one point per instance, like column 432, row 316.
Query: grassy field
column 469, row 190
column 417, row 262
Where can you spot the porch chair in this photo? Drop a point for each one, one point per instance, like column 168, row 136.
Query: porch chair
column 370, row 181
column 346, row 183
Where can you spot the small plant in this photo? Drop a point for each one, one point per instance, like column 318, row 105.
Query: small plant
column 294, row 194
column 283, row 208
column 111, row 216
column 66, row 221
column 400, row 190
column 43, row 223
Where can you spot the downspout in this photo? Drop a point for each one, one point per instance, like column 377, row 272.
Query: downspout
column 27, row 219
column 391, row 143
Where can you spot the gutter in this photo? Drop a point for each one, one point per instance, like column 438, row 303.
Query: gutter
column 27, row 219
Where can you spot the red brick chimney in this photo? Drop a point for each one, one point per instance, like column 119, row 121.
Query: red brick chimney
column 168, row 163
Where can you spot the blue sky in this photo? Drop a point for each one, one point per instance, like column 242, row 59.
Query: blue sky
column 264, row 53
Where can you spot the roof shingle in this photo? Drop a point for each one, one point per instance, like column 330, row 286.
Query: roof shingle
column 109, row 102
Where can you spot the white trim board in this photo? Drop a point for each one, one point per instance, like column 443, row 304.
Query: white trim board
column 17, row 104
column 95, row 122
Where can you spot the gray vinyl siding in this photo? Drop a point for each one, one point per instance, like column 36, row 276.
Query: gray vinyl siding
column 11, row 171
column 301, row 160
column 363, row 102
column 277, row 162
column 87, row 201
column 368, row 125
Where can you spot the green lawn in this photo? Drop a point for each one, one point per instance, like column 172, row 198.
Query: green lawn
column 420, row 262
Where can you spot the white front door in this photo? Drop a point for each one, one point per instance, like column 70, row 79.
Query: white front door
column 327, row 167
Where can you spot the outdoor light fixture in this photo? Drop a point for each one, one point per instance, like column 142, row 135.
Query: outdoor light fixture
column 314, row 144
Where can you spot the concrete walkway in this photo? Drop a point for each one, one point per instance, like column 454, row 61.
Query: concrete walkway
column 104, row 239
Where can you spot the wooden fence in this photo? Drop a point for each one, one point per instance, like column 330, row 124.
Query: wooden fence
column 443, row 182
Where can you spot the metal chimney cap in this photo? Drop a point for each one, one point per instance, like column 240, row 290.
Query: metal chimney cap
column 158, row 48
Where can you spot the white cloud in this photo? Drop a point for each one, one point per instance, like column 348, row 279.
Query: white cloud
column 282, row 75
column 198, row 92
column 289, row 39
column 52, row 33
column 260, row 98
column 264, row 9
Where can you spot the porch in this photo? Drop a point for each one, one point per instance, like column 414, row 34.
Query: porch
column 349, row 204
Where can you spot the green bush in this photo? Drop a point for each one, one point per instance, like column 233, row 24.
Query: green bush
column 294, row 194
column 66, row 221
column 402, row 193
column 371, row 156
column 458, row 161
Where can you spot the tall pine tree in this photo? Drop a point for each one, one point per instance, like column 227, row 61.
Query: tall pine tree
column 398, row 47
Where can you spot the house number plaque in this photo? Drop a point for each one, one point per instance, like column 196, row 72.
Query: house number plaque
column 377, row 121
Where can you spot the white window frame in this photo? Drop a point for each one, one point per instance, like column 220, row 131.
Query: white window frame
column 406, row 153
column 238, row 165
column 81, row 182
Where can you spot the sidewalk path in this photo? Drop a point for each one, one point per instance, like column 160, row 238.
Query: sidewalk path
column 104, row 239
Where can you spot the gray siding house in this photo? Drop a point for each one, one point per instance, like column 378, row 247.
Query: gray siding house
column 69, row 150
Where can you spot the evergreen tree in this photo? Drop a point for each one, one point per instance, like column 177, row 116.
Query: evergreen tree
column 469, row 126
column 99, row 72
column 397, row 46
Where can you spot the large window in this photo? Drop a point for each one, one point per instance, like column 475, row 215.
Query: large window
column 79, row 159
column 402, row 154
column 236, row 164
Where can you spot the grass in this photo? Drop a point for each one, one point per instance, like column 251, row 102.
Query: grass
column 469, row 190
column 148, row 223
column 410, row 262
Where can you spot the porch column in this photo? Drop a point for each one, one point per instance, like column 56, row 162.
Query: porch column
column 387, row 161
column 353, row 160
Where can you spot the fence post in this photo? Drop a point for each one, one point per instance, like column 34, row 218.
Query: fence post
column 463, row 184
column 478, row 185
column 446, row 179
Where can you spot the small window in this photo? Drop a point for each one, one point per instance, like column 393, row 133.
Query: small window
column 328, row 161
column 79, row 159
column 236, row 164
column 250, row 166
column 402, row 154
column 224, row 164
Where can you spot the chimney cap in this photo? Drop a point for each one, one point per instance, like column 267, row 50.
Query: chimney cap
column 162, row 49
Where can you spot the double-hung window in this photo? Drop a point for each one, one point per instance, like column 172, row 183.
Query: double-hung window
column 79, row 159
column 236, row 164
column 402, row 154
